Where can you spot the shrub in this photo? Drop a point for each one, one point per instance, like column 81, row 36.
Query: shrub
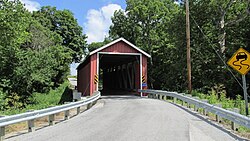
column 213, row 98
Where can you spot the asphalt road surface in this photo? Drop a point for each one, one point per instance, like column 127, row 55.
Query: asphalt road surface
column 131, row 118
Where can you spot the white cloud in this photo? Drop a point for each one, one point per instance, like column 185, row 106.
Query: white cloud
column 98, row 22
column 31, row 5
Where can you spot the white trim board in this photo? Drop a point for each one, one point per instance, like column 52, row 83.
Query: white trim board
column 117, row 40
column 117, row 53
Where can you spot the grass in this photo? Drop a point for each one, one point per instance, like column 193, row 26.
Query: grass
column 44, row 100
column 72, row 76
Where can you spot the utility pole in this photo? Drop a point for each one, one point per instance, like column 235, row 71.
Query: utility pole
column 188, row 48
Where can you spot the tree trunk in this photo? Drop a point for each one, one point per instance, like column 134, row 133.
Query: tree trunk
column 222, row 38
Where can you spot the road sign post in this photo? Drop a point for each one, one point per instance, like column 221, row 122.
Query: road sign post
column 245, row 92
column 240, row 61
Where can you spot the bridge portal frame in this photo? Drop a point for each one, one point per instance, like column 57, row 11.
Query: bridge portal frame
column 89, row 68
column 119, row 53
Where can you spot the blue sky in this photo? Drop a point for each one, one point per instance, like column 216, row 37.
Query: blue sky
column 93, row 15
column 80, row 8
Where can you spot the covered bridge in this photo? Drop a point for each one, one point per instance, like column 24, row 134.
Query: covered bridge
column 118, row 66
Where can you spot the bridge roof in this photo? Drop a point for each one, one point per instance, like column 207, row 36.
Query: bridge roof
column 87, row 59
column 116, row 41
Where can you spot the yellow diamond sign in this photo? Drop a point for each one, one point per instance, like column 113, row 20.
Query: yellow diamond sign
column 240, row 61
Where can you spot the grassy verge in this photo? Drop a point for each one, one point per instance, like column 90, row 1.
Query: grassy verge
column 45, row 100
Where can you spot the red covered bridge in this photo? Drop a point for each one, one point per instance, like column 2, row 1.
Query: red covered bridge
column 118, row 66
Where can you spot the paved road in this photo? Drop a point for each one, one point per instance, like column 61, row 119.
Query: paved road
column 130, row 118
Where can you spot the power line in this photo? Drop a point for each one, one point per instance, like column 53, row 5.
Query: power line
column 212, row 45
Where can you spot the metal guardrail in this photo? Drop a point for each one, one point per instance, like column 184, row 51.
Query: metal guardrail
column 226, row 114
column 31, row 116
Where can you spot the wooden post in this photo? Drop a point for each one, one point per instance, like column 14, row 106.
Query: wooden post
column 175, row 99
column 235, row 126
column 204, row 110
column 66, row 115
column 218, row 119
column 182, row 103
column 2, row 133
column 188, row 48
column 52, row 119
column 31, row 125
column 89, row 106
column 165, row 98
column 78, row 110
column 188, row 104
column 195, row 107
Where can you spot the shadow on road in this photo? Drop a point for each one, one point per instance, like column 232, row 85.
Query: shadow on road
column 121, row 97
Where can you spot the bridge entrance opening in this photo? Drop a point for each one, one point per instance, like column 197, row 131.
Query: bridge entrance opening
column 118, row 73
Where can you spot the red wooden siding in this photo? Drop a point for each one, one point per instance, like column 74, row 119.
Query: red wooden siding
column 120, row 47
column 93, row 72
column 83, row 79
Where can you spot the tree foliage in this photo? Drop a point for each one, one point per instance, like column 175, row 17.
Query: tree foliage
column 63, row 23
column 35, row 51
column 95, row 45
column 158, row 27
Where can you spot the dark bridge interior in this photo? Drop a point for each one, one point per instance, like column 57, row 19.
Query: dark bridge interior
column 119, row 74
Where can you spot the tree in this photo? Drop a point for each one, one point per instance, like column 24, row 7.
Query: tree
column 158, row 27
column 95, row 45
column 144, row 23
column 14, row 20
column 63, row 23
column 33, row 57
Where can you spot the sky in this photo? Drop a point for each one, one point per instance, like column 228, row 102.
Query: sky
column 94, row 16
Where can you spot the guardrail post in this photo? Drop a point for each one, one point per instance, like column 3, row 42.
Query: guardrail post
column 165, row 98
column 2, row 133
column 182, row 102
column 66, row 115
column 88, row 105
column 204, row 110
column 195, row 107
column 78, row 110
column 175, row 99
column 218, row 119
column 31, row 125
column 52, row 119
column 188, row 104
column 148, row 95
column 235, row 126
